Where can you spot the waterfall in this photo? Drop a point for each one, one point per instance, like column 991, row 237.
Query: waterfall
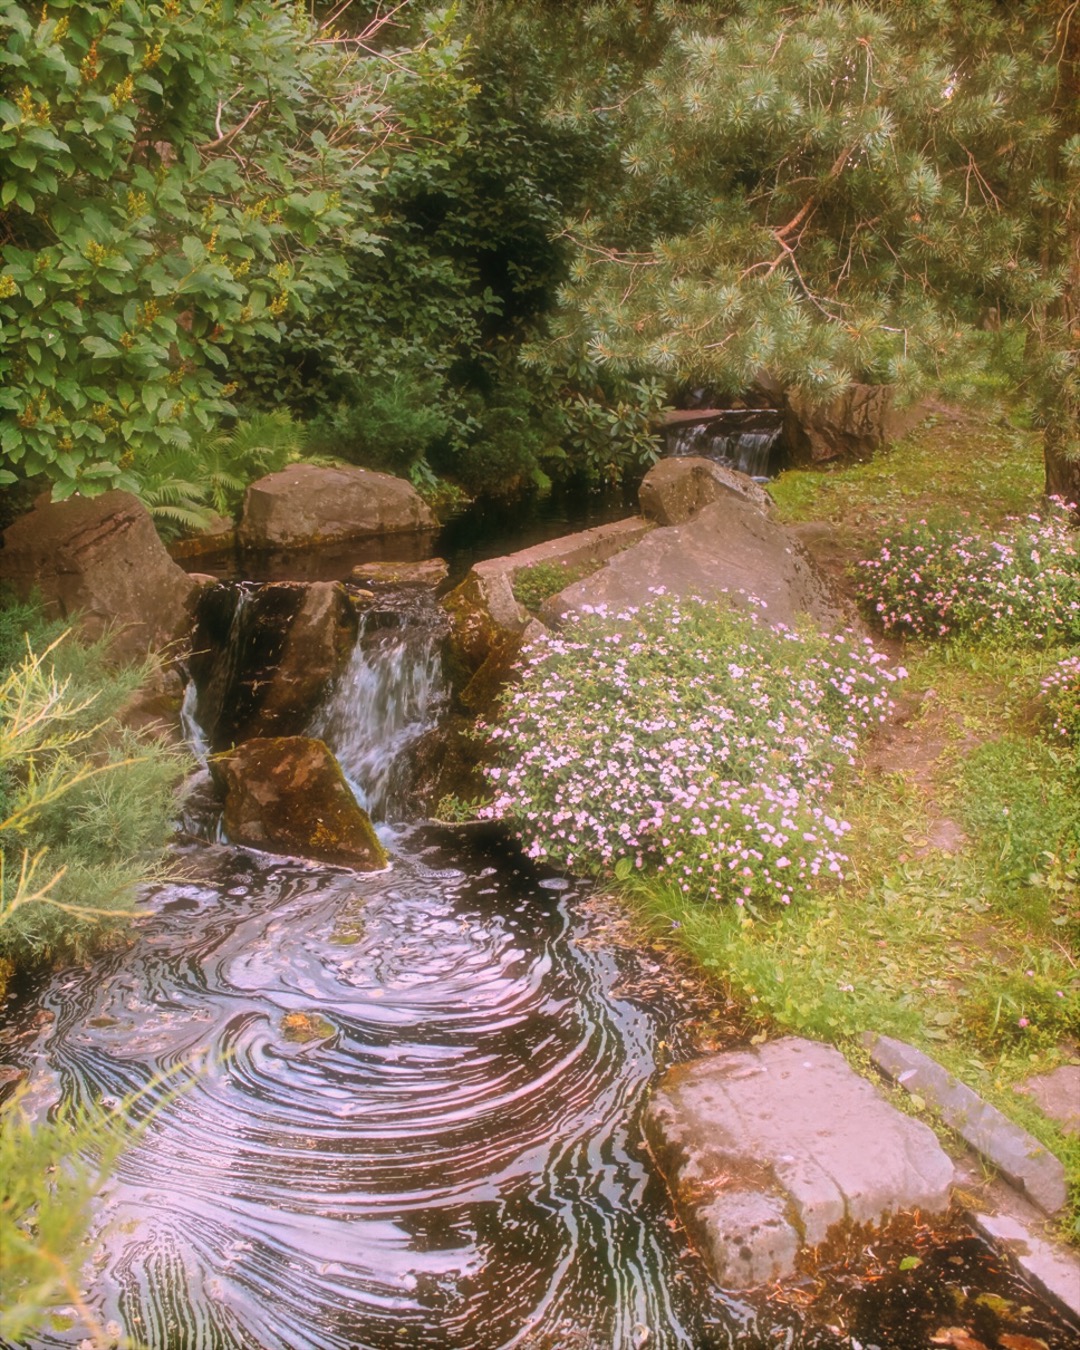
column 391, row 693
column 742, row 439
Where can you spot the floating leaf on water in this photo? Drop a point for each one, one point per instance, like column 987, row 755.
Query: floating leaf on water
column 957, row 1337
column 911, row 1263
column 1003, row 1307
column 305, row 1026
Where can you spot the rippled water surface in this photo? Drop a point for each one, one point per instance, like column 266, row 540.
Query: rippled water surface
column 441, row 1151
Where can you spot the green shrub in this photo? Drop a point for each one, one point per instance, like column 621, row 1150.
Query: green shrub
column 52, row 1170
column 85, row 805
column 183, row 488
column 389, row 422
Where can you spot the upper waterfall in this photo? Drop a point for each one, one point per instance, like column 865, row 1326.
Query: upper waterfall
column 391, row 692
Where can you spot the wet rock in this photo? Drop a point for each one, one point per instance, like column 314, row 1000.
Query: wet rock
column 448, row 761
column 729, row 549
column 765, row 1151
column 100, row 558
column 264, row 659
column 217, row 537
column 287, row 794
column 304, row 506
column 431, row 573
column 155, row 706
column 854, row 425
column 484, row 617
column 11, row 1076
column 674, row 490
column 1051, row 1269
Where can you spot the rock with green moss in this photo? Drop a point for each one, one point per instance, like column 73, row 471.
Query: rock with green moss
column 287, row 794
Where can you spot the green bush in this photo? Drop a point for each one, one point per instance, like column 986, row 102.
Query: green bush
column 183, row 488
column 176, row 178
column 85, row 804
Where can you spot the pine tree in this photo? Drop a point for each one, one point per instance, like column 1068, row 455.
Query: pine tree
column 830, row 192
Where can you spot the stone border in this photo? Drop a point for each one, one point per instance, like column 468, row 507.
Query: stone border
column 1017, row 1155
column 1051, row 1273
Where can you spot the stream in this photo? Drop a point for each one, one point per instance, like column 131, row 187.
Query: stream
column 399, row 1109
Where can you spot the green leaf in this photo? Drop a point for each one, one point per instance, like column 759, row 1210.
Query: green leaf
column 99, row 348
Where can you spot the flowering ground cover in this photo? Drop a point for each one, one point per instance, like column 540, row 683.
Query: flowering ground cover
column 1020, row 584
column 692, row 740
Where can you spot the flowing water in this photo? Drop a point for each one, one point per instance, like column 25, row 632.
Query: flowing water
column 741, row 439
column 415, row 1116
column 413, row 1099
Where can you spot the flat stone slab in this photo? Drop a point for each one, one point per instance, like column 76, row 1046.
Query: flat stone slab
column 1051, row 1271
column 1057, row 1094
column 1017, row 1155
column 765, row 1151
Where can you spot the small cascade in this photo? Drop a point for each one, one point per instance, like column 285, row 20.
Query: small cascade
column 391, row 693
column 741, row 438
column 194, row 735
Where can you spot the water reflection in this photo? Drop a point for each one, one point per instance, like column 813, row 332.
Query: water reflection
column 417, row 1123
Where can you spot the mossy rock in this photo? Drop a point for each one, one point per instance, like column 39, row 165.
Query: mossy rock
column 287, row 794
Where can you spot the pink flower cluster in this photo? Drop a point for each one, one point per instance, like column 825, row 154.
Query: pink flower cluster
column 1061, row 694
column 935, row 582
column 690, row 739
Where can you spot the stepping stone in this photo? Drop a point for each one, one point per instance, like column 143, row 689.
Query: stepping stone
column 1018, row 1155
column 766, row 1151
column 1057, row 1094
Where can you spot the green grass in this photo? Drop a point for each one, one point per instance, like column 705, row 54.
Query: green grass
column 533, row 585
column 949, row 467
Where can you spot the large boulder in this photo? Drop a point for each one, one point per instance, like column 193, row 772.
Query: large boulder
column 287, row 794
column 263, row 659
column 305, row 505
column 674, row 490
column 858, row 422
column 100, row 558
column 730, row 549
column 488, row 623
column 768, row 1151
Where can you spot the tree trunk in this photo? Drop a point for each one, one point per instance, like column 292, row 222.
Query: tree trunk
column 1062, row 469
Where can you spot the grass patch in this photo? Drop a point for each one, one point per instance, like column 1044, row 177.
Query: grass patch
column 954, row 466
column 533, row 585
